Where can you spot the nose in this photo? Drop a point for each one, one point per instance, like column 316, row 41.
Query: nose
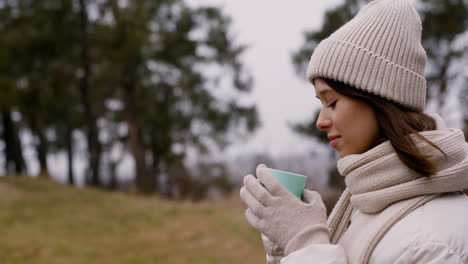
column 323, row 121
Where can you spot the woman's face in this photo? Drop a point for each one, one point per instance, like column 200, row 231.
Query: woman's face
column 350, row 123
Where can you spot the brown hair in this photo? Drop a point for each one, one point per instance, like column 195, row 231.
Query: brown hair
column 396, row 123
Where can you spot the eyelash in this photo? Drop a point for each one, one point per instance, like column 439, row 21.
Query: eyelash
column 332, row 105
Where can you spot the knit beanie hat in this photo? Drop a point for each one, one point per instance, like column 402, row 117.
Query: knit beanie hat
column 378, row 51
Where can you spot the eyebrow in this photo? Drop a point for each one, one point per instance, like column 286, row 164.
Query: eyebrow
column 323, row 92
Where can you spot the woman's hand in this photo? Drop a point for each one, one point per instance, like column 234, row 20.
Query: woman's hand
column 279, row 215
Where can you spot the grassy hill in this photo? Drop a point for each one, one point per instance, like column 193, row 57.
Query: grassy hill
column 46, row 222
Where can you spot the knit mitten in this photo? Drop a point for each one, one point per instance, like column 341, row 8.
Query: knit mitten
column 281, row 216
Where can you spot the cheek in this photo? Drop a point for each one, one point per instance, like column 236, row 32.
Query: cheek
column 366, row 132
column 359, row 127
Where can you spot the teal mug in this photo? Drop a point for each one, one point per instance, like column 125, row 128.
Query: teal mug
column 293, row 182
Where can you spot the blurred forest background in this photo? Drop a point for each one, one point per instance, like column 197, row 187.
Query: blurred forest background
column 146, row 80
column 158, row 83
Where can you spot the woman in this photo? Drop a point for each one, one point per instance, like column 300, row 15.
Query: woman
column 403, row 169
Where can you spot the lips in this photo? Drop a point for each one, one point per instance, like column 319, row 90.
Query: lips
column 333, row 140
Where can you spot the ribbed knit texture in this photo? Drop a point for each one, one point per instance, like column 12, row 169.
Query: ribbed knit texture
column 274, row 253
column 378, row 51
column 382, row 187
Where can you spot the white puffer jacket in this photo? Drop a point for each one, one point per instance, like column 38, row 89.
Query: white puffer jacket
column 434, row 233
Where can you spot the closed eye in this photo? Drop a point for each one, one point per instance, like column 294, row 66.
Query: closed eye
column 332, row 105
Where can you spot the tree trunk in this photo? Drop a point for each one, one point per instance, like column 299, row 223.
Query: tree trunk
column 156, row 159
column 42, row 146
column 34, row 111
column 94, row 146
column 443, row 82
column 13, row 149
column 69, row 148
column 145, row 183
column 113, row 176
column 71, row 178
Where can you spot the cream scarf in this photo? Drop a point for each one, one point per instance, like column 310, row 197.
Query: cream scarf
column 385, row 190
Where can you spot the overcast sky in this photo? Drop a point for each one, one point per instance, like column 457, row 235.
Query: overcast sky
column 273, row 29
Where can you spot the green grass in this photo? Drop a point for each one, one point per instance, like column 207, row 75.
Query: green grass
column 46, row 222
